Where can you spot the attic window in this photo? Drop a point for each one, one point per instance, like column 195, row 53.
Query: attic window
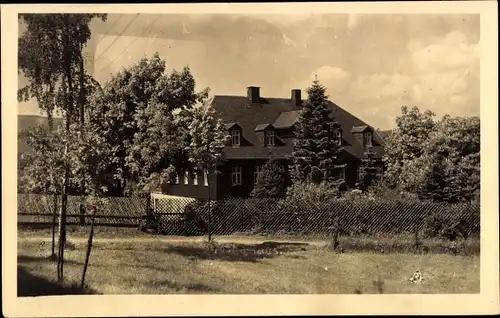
column 367, row 138
column 235, row 134
column 270, row 138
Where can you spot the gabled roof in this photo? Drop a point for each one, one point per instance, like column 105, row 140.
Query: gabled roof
column 231, row 125
column 262, row 127
column 359, row 129
column 287, row 119
column 282, row 112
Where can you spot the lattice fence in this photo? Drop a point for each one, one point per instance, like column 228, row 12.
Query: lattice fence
column 270, row 216
column 117, row 211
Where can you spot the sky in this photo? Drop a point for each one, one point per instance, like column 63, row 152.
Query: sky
column 370, row 64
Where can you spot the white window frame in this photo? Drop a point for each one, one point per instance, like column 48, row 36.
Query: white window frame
column 176, row 178
column 367, row 138
column 236, row 135
column 186, row 178
column 195, row 178
column 270, row 136
column 256, row 174
column 236, row 176
column 338, row 137
column 205, row 177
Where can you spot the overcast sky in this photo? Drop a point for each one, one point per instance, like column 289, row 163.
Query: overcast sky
column 371, row 64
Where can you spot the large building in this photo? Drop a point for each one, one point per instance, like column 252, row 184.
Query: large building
column 262, row 127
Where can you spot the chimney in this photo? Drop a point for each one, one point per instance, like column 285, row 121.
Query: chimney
column 296, row 98
column 253, row 94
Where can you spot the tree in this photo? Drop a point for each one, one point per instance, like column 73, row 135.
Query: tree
column 316, row 150
column 138, row 106
column 49, row 55
column 42, row 168
column 272, row 181
column 208, row 138
column 89, row 158
column 454, row 151
column 370, row 170
column 406, row 143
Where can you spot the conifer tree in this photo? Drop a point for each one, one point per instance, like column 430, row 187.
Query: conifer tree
column 369, row 170
column 272, row 181
column 316, row 149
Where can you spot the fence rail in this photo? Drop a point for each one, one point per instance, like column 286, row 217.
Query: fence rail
column 179, row 216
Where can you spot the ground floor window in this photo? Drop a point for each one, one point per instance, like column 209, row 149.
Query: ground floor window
column 256, row 174
column 236, row 176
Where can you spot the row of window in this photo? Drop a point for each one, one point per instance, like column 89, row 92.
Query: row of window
column 195, row 179
column 269, row 138
column 236, row 138
column 236, row 176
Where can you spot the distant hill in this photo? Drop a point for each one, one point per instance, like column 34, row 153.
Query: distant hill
column 29, row 121
column 384, row 133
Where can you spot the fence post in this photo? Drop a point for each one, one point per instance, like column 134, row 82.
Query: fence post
column 336, row 227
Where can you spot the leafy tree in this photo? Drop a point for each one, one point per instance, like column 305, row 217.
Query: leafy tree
column 315, row 147
column 208, row 138
column 454, row 149
column 138, row 106
column 42, row 168
column 50, row 52
column 272, row 181
column 406, row 143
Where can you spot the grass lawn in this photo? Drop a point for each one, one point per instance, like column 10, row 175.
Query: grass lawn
column 152, row 266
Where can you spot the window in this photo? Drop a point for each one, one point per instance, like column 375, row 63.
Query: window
column 205, row 179
column 176, row 178
column 270, row 138
column 256, row 174
column 195, row 178
column 342, row 173
column 235, row 134
column 186, row 179
column 367, row 138
column 338, row 137
column 236, row 176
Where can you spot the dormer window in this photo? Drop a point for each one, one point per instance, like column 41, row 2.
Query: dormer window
column 236, row 136
column 270, row 138
column 338, row 137
column 367, row 138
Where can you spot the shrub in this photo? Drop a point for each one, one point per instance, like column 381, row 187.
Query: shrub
column 449, row 228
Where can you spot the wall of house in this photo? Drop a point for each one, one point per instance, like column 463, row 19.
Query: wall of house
column 190, row 190
column 224, row 185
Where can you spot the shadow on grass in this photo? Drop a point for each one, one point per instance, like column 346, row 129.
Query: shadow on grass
column 236, row 252
column 191, row 288
column 28, row 259
column 29, row 285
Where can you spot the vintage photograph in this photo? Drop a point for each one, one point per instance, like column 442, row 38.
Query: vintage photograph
column 313, row 153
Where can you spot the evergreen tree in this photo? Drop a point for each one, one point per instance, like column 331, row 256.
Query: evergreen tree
column 315, row 147
column 369, row 171
column 272, row 181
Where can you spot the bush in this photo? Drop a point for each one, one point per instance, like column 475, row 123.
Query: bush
column 449, row 228
column 272, row 182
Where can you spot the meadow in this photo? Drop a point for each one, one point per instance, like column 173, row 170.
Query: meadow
column 125, row 261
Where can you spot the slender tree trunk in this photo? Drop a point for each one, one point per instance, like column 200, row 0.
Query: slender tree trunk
column 64, row 202
column 89, row 247
column 54, row 218
column 209, row 208
column 82, row 122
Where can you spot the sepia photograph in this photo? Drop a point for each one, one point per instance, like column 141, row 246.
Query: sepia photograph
column 248, row 153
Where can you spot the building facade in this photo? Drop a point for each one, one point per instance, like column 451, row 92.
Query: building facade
column 261, row 128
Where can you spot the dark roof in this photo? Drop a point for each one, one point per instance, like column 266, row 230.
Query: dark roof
column 262, row 127
column 230, row 125
column 287, row 119
column 359, row 129
column 283, row 113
